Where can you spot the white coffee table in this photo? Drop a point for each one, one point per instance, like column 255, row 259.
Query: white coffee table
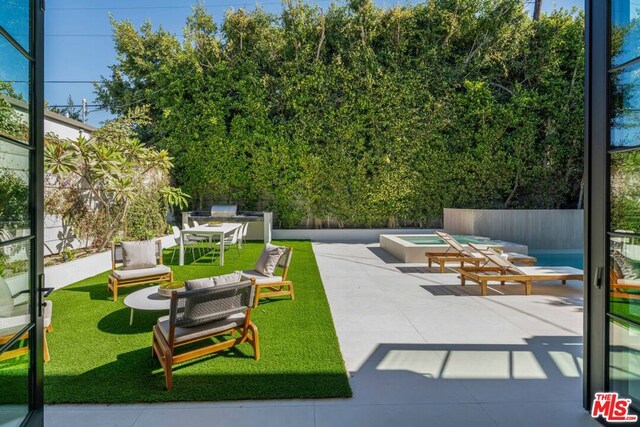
column 146, row 299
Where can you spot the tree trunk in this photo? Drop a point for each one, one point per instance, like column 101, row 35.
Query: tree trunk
column 537, row 10
column 581, row 196
column 322, row 37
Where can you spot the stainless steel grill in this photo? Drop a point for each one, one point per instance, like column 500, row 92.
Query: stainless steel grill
column 224, row 211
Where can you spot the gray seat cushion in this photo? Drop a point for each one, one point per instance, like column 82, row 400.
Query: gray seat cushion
column 201, row 331
column 261, row 279
column 6, row 299
column 268, row 260
column 20, row 317
column 209, row 282
column 142, row 272
column 139, row 254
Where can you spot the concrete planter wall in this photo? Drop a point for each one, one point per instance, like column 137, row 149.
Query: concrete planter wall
column 536, row 228
column 61, row 275
column 343, row 235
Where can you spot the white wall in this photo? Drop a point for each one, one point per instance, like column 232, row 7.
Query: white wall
column 536, row 228
column 343, row 235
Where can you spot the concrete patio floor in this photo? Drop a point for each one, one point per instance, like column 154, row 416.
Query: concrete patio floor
column 421, row 350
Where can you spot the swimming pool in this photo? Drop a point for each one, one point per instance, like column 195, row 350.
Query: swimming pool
column 569, row 258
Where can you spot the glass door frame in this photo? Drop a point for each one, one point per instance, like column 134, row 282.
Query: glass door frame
column 597, row 234
column 35, row 56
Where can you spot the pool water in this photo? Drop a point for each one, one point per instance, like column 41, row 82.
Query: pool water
column 559, row 258
column 432, row 239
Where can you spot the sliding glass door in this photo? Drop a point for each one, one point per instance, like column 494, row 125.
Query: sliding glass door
column 21, row 215
column 612, row 268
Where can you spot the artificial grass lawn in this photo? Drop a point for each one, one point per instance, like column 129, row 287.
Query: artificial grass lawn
column 97, row 357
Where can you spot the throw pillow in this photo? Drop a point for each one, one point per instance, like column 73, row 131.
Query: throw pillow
column 209, row 282
column 140, row 254
column 268, row 260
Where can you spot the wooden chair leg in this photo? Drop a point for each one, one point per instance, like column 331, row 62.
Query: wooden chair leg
column 483, row 286
column 168, row 373
column 255, row 342
column 291, row 290
column 442, row 266
column 429, row 262
column 45, row 348
column 115, row 290
column 527, row 287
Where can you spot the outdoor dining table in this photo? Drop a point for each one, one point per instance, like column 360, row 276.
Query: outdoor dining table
column 210, row 231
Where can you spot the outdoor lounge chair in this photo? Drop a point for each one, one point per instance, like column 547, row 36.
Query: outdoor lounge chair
column 458, row 253
column 623, row 282
column 200, row 314
column 273, row 286
column 14, row 315
column 152, row 273
column 502, row 270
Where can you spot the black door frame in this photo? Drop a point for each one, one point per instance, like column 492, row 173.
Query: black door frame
column 36, row 395
column 596, row 198
column 35, row 56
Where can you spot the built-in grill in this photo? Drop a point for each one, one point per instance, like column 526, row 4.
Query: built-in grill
column 229, row 213
column 218, row 211
column 260, row 223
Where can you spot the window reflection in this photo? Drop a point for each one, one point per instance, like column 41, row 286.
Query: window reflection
column 625, row 277
column 625, row 107
column 14, row 191
column 625, row 31
column 624, row 359
column 625, row 192
column 14, row 17
column 14, row 93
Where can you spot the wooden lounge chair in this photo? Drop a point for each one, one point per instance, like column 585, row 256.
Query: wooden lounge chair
column 458, row 253
column 622, row 286
column 134, row 277
column 200, row 314
column 502, row 270
column 10, row 326
column 273, row 286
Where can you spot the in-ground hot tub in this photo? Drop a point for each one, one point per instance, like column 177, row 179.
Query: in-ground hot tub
column 410, row 248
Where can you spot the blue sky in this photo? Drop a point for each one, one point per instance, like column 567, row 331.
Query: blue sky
column 78, row 45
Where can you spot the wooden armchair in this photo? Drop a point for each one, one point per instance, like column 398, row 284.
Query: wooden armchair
column 138, row 276
column 273, row 286
column 15, row 324
column 200, row 314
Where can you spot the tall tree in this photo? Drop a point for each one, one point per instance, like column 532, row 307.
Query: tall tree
column 358, row 115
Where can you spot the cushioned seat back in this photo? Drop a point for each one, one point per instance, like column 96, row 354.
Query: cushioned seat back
column 285, row 258
column 199, row 306
column 6, row 299
column 117, row 254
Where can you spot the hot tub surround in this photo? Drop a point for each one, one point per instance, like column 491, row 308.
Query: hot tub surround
column 405, row 248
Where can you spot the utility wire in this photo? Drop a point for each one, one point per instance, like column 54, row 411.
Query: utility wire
column 246, row 4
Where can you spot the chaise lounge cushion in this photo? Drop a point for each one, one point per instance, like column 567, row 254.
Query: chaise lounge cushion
column 209, row 282
column 142, row 272
column 140, row 254
column 268, row 260
column 6, row 299
column 201, row 331
column 261, row 279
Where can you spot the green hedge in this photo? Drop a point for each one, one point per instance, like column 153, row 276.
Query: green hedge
column 359, row 115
